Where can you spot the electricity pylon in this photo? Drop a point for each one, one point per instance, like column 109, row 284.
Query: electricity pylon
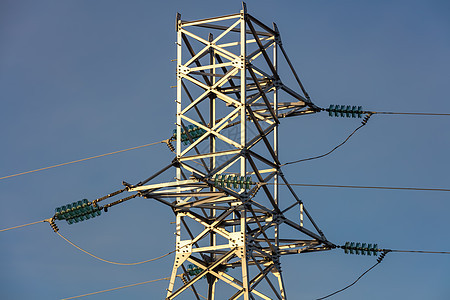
column 230, row 197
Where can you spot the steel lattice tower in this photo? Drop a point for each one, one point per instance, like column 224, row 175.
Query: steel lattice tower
column 228, row 111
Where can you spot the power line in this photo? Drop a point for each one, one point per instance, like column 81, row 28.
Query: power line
column 6, row 229
column 364, row 122
column 117, row 288
column 353, row 111
column 329, row 152
column 379, row 260
column 363, row 249
column 343, row 289
column 421, row 251
column 112, row 262
column 366, row 187
column 164, row 141
column 313, row 185
column 408, row 113
column 80, row 160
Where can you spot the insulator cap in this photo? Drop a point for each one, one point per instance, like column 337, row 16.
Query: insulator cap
column 77, row 211
column 347, row 111
column 194, row 132
column 358, row 248
column 233, row 181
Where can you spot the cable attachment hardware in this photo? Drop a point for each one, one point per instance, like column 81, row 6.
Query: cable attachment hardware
column 382, row 255
column 51, row 221
column 169, row 144
column 344, row 111
column 366, row 118
column 253, row 194
column 183, row 278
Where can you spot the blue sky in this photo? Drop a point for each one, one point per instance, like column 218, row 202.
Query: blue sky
column 81, row 78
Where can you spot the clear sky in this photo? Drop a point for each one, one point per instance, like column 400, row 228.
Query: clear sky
column 82, row 78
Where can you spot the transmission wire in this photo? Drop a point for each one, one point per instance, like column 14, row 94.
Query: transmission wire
column 6, row 229
column 378, row 262
column 117, row 288
column 408, row 113
column 112, row 262
column 329, row 152
column 146, row 145
column 421, row 251
column 80, row 160
column 363, row 187
column 343, row 289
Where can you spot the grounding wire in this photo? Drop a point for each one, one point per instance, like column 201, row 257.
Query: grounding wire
column 112, row 262
column 80, row 160
column 116, row 288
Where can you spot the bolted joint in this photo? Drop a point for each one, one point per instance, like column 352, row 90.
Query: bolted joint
column 278, row 218
column 127, row 185
column 278, row 40
column 277, row 83
column 176, row 163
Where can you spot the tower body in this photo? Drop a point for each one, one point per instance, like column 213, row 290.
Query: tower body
column 230, row 197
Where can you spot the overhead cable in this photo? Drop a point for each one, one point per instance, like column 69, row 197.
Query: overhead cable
column 421, row 251
column 367, row 187
column 112, row 262
column 312, row 185
column 332, row 150
column 357, row 111
column 363, row 249
column 80, row 160
column 6, row 229
column 343, row 289
column 409, row 113
column 116, row 288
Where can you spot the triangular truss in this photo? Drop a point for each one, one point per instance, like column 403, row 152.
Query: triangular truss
column 228, row 186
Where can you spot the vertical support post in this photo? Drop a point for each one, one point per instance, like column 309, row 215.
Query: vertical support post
column 178, row 153
column 281, row 284
column 275, row 141
column 212, row 149
column 243, row 112
column 276, row 179
column 243, row 79
column 301, row 214
column 243, row 253
column 177, row 255
column 179, row 87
